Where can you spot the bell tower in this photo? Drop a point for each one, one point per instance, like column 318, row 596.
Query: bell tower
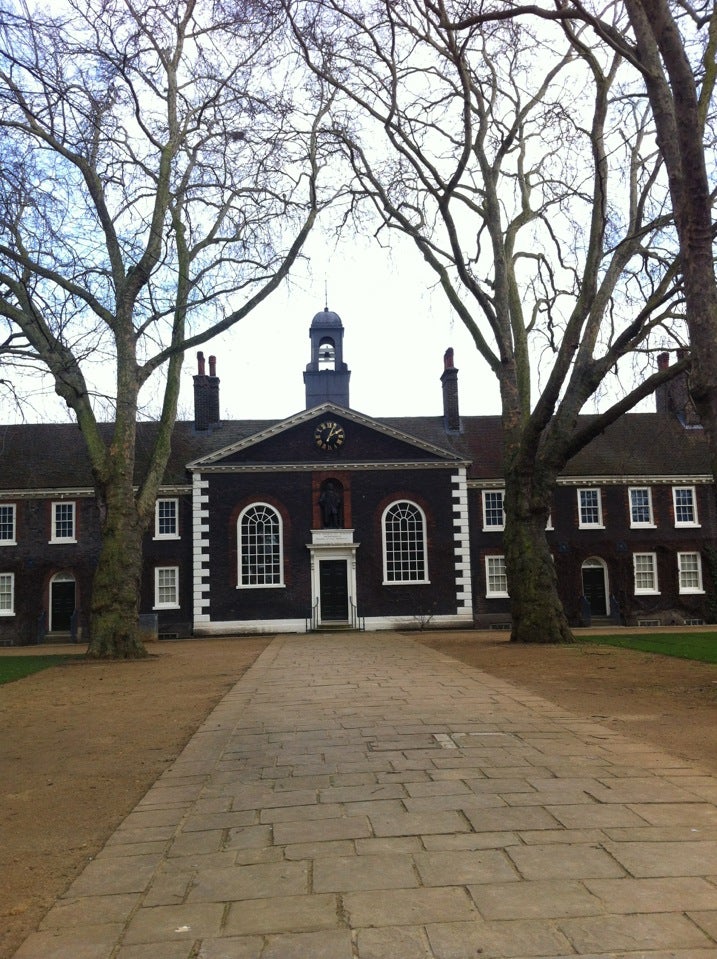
column 326, row 377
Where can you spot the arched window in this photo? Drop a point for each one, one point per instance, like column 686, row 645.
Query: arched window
column 404, row 544
column 260, row 547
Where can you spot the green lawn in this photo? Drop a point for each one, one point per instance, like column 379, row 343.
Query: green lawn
column 699, row 646
column 17, row 667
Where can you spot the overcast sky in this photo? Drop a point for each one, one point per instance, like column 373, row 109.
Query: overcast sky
column 396, row 331
column 397, row 326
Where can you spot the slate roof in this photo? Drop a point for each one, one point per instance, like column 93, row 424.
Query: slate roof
column 644, row 444
column 49, row 456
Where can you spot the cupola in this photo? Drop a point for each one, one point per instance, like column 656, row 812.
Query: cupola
column 326, row 377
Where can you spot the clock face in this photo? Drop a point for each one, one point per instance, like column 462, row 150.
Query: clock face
column 329, row 435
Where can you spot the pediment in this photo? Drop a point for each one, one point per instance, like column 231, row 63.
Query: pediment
column 293, row 443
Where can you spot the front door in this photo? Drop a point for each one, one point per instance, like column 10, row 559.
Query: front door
column 333, row 584
column 594, row 589
column 62, row 605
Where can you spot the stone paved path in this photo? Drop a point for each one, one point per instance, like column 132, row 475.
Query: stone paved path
column 359, row 795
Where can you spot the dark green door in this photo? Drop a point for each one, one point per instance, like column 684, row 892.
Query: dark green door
column 63, row 605
column 333, row 583
column 594, row 589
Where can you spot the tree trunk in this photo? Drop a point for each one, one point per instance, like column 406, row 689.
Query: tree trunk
column 536, row 608
column 677, row 106
column 114, row 626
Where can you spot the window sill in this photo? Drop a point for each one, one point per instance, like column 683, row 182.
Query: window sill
column 158, row 539
column 261, row 585
column 647, row 592
column 591, row 526
column 158, row 609
column 406, row 582
column 8, row 542
column 7, row 612
column 61, row 542
column 691, row 592
column 497, row 595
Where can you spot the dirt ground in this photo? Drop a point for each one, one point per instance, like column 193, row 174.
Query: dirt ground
column 81, row 744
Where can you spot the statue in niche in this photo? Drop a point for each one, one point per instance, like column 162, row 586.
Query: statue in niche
column 331, row 501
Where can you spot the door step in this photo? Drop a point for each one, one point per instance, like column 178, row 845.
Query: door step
column 59, row 638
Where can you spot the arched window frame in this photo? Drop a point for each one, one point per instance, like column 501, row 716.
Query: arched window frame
column 393, row 576
column 247, row 551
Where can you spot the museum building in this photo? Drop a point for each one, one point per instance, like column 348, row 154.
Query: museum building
column 333, row 519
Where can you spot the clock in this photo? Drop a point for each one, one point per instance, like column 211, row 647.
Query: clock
column 329, row 435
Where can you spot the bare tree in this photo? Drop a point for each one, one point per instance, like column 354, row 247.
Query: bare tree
column 159, row 180
column 530, row 185
column 675, row 55
column 672, row 47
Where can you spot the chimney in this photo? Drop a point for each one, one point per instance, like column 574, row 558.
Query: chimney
column 662, row 393
column 213, row 392
column 674, row 396
column 206, row 394
column 449, row 379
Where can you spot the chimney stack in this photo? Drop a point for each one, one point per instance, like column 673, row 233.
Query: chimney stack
column 674, row 396
column 662, row 393
column 213, row 391
column 206, row 394
column 449, row 379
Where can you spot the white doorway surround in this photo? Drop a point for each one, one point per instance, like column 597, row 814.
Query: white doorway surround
column 333, row 578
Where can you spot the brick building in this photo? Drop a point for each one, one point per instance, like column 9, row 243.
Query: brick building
column 332, row 518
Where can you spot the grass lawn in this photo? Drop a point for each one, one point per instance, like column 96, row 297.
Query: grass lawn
column 699, row 646
column 17, row 667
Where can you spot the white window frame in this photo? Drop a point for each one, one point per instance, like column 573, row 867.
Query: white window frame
column 487, row 510
column 243, row 566
column 599, row 523
column 490, row 575
column 420, row 546
column 9, row 579
column 73, row 507
column 160, row 603
column 157, row 511
column 641, row 524
column 696, row 571
column 693, row 493
column 10, row 540
column 653, row 590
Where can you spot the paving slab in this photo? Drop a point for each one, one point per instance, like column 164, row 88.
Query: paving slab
column 360, row 796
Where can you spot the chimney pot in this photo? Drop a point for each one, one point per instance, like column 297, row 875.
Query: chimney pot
column 200, row 363
column 449, row 380
column 212, row 366
column 663, row 361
